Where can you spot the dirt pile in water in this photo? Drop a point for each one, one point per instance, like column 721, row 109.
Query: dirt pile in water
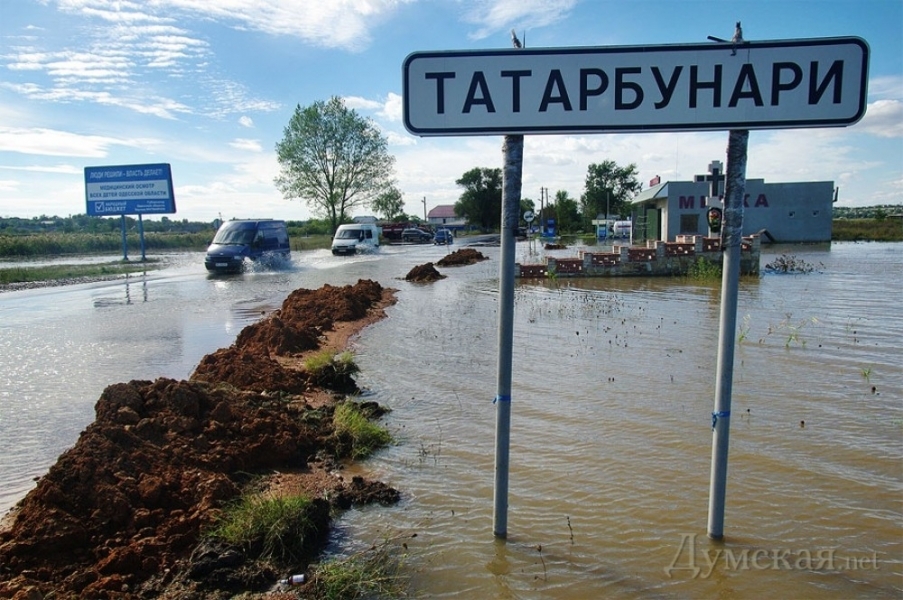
column 122, row 513
column 464, row 256
column 424, row 274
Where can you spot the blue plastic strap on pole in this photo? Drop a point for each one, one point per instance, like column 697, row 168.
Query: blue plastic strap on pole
column 501, row 399
column 720, row 413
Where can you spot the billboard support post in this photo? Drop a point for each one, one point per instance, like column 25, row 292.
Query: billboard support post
column 125, row 242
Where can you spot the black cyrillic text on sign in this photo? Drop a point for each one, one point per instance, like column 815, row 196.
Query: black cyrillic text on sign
column 806, row 83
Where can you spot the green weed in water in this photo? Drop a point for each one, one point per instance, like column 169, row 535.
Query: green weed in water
column 744, row 330
column 867, row 374
column 373, row 573
column 704, row 269
column 274, row 527
column 356, row 432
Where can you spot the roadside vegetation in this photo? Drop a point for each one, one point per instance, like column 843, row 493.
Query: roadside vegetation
column 872, row 230
column 15, row 275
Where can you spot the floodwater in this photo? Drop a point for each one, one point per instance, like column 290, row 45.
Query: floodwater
column 611, row 431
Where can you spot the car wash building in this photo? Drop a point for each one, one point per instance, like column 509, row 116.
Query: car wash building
column 779, row 212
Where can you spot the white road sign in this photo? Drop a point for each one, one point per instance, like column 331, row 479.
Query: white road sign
column 686, row 87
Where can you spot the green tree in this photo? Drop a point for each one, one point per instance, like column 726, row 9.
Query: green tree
column 481, row 202
column 609, row 188
column 567, row 212
column 389, row 204
column 333, row 159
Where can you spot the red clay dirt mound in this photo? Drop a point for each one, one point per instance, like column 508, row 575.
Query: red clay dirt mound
column 424, row 274
column 249, row 370
column 306, row 318
column 464, row 256
column 121, row 514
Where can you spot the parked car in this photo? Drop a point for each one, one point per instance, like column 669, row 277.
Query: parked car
column 246, row 239
column 444, row 237
column 414, row 235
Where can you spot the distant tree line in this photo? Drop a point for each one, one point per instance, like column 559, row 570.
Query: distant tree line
column 877, row 212
column 91, row 224
column 84, row 224
column 608, row 190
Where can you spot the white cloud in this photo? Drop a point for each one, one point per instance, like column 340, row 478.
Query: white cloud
column 498, row 15
column 49, row 142
column 58, row 169
column 245, row 121
column 393, row 108
column 883, row 118
column 399, row 139
column 120, row 65
column 389, row 109
column 358, row 103
column 886, row 87
column 342, row 24
column 246, row 144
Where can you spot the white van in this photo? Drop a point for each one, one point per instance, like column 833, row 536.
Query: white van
column 355, row 237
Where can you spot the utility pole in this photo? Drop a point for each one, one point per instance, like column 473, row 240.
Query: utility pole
column 424, row 209
column 542, row 218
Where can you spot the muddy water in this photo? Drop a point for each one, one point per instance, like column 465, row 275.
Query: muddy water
column 611, row 435
column 611, row 417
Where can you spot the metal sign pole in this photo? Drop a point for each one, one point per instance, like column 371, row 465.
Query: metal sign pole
column 513, row 150
column 141, row 236
column 735, row 188
column 125, row 245
column 513, row 159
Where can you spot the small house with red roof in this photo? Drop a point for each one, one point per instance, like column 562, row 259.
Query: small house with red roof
column 443, row 216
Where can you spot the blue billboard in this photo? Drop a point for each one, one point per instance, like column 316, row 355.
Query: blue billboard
column 129, row 190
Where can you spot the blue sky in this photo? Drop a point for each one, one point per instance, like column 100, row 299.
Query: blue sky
column 209, row 86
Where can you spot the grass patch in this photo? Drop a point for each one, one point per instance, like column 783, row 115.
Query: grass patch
column 358, row 436
column 373, row 573
column 55, row 272
column 329, row 361
column 704, row 269
column 874, row 230
column 283, row 528
column 316, row 241
column 332, row 370
column 55, row 244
